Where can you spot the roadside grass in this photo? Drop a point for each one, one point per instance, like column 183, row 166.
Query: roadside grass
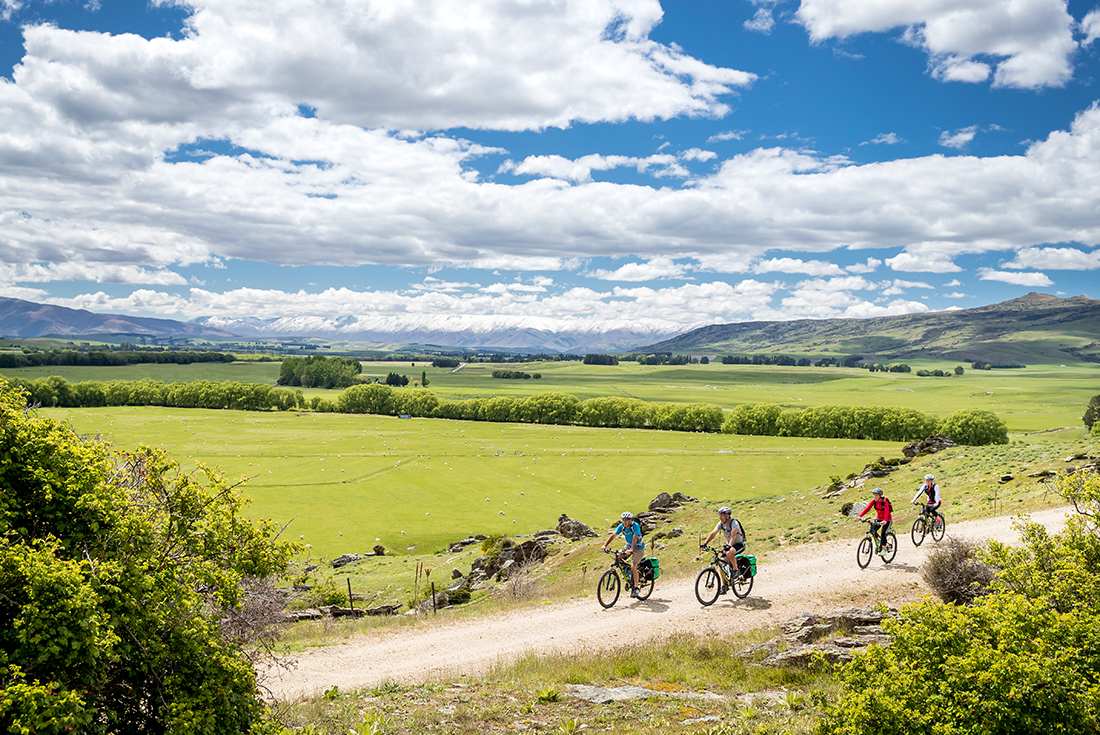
column 531, row 694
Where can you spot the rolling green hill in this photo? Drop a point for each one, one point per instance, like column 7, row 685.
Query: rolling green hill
column 1036, row 328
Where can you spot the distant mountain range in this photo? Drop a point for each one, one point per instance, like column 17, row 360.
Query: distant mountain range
column 25, row 319
column 1032, row 328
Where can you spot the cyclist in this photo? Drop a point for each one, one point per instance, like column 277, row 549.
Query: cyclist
column 731, row 528
column 632, row 534
column 885, row 519
column 930, row 489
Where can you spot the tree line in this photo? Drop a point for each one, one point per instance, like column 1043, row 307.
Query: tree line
column 877, row 423
column 109, row 358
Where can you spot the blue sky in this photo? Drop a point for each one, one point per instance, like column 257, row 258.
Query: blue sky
column 554, row 163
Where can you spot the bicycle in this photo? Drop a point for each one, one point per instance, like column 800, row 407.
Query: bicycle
column 709, row 584
column 928, row 522
column 611, row 581
column 870, row 545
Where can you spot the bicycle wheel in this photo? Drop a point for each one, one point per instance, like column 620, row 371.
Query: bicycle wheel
column 891, row 547
column 938, row 527
column 707, row 586
column 610, row 586
column 864, row 552
column 918, row 532
column 742, row 586
column 645, row 589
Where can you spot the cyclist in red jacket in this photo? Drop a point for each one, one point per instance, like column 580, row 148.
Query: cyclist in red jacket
column 885, row 511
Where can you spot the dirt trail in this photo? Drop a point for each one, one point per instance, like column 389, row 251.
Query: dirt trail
column 812, row 577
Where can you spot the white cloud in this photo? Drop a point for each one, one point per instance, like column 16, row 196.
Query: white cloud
column 958, row 139
column 761, row 22
column 884, row 139
column 1015, row 278
column 94, row 272
column 899, row 286
column 797, row 265
column 727, row 135
column 956, row 295
column 953, row 283
column 654, row 269
column 868, row 266
column 1090, row 26
column 1028, row 43
column 923, row 261
column 660, row 165
column 1067, row 259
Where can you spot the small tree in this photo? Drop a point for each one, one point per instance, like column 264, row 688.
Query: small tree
column 1092, row 413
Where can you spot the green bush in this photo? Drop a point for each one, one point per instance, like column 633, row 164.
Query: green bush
column 974, row 427
column 119, row 575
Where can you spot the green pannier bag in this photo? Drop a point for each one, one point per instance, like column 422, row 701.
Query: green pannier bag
column 654, row 567
column 751, row 563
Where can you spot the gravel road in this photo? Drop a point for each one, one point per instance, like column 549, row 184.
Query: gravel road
column 811, row 577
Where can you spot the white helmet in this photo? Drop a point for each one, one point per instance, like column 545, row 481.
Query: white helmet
column 626, row 514
column 930, row 476
column 877, row 491
column 725, row 509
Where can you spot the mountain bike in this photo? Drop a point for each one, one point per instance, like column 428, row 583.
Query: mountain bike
column 709, row 584
column 928, row 522
column 870, row 545
column 612, row 581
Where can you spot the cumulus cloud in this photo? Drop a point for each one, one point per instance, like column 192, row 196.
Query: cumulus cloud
column 762, row 21
column 1090, row 26
column 1068, row 259
column 923, row 261
column 94, row 272
column 1026, row 44
column 797, row 265
column 580, row 169
column 958, row 139
column 868, row 266
column 648, row 271
column 1014, row 277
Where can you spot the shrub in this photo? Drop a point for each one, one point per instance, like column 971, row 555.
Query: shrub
column 1092, row 413
column 121, row 581
column 974, row 427
column 955, row 574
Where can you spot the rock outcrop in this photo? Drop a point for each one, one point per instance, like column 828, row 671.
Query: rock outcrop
column 834, row 637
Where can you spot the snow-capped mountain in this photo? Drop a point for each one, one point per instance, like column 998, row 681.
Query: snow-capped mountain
column 521, row 333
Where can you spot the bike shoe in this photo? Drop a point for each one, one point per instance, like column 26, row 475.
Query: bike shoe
column 723, row 589
column 634, row 592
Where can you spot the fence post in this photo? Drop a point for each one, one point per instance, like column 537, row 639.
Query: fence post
column 351, row 603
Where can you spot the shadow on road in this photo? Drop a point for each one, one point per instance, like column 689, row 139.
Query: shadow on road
column 653, row 605
column 752, row 603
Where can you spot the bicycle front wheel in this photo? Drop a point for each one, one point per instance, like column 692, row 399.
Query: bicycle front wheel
column 742, row 586
column 864, row 552
column 939, row 526
column 610, row 586
column 891, row 547
column 918, row 532
column 707, row 586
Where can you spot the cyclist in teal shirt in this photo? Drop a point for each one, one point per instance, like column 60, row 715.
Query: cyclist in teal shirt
column 632, row 534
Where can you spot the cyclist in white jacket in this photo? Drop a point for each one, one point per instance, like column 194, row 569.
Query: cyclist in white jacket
column 931, row 491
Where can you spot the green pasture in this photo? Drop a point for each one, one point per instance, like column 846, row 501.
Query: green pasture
column 346, row 483
column 1028, row 399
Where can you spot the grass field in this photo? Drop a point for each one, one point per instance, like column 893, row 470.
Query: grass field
column 1029, row 399
column 413, row 485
